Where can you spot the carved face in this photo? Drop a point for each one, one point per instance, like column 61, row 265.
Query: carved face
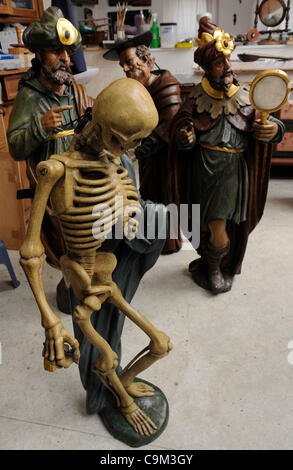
column 125, row 113
column 220, row 66
column 135, row 67
column 55, row 65
column 220, row 73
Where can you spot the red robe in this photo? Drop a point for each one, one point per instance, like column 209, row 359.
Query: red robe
column 154, row 170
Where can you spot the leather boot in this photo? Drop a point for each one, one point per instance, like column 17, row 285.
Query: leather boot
column 201, row 250
column 215, row 255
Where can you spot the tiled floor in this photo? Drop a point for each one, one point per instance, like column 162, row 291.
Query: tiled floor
column 228, row 380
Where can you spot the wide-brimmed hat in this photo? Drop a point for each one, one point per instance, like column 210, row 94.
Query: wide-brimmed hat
column 53, row 30
column 143, row 39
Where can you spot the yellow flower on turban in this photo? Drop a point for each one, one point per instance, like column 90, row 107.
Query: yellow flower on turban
column 224, row 42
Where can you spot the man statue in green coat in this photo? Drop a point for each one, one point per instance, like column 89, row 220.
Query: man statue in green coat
column 48, row 103
column 47, row 106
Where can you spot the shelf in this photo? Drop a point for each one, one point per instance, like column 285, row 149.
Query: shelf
column 285, row 161
column 12, row 71
column 10, row 14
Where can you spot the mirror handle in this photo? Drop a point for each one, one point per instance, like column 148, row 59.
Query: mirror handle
column 264, row 115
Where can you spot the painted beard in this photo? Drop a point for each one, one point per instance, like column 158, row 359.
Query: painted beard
column 56, row 75
column 222, row 83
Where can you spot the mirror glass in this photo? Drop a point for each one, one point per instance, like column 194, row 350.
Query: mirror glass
column 272, row 12
column 269, row 92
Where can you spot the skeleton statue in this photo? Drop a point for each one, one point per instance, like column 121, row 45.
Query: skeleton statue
column 89, row 176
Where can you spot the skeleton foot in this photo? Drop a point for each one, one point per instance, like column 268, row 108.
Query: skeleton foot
column 139, row 389
column 138, row 420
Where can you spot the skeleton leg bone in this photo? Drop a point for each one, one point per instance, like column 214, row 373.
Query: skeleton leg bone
column 105, row 367
column 107, row 361
column 122, row 387
column 159, row 346
column 160, row 343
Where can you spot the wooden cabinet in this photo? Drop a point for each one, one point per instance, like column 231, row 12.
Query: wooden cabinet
column 14, row 214
column 27, row 8
column 5, row 7
column 20, row 11
column 283, row 152
column 9, row 80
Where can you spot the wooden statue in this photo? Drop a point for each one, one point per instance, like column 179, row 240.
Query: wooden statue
column 134, row 56
column 83, row 185
column 221, row 157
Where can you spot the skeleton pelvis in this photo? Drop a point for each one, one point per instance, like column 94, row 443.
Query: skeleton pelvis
column 105, row 265
column 76, row 276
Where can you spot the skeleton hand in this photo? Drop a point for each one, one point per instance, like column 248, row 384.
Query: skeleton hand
column 186, row 135
column 130, row 228
column 264, row 132
column 132, row 155
column 53, row 350
column 53, row 118
column 131, row 217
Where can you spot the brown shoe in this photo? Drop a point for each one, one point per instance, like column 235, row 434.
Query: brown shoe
column 214, row 257
column 201, row 250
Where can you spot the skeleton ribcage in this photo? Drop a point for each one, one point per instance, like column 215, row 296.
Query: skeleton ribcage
column 100, row 198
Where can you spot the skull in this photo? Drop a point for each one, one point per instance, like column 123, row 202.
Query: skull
column 124, row 113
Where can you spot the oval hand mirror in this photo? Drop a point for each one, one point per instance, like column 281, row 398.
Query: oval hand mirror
column 269, row 92
column 272, row 12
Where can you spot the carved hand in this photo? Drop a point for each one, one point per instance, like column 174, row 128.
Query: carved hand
column 132, row 155
column 265, row 132
column 53, row 118
column 53, row 350
column 186, row 135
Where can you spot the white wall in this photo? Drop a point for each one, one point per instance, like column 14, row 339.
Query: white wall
column 244, row 9
column 244, row 12
column 46, row 4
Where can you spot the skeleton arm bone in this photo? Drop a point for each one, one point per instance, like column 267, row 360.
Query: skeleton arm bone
column 32, row 260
